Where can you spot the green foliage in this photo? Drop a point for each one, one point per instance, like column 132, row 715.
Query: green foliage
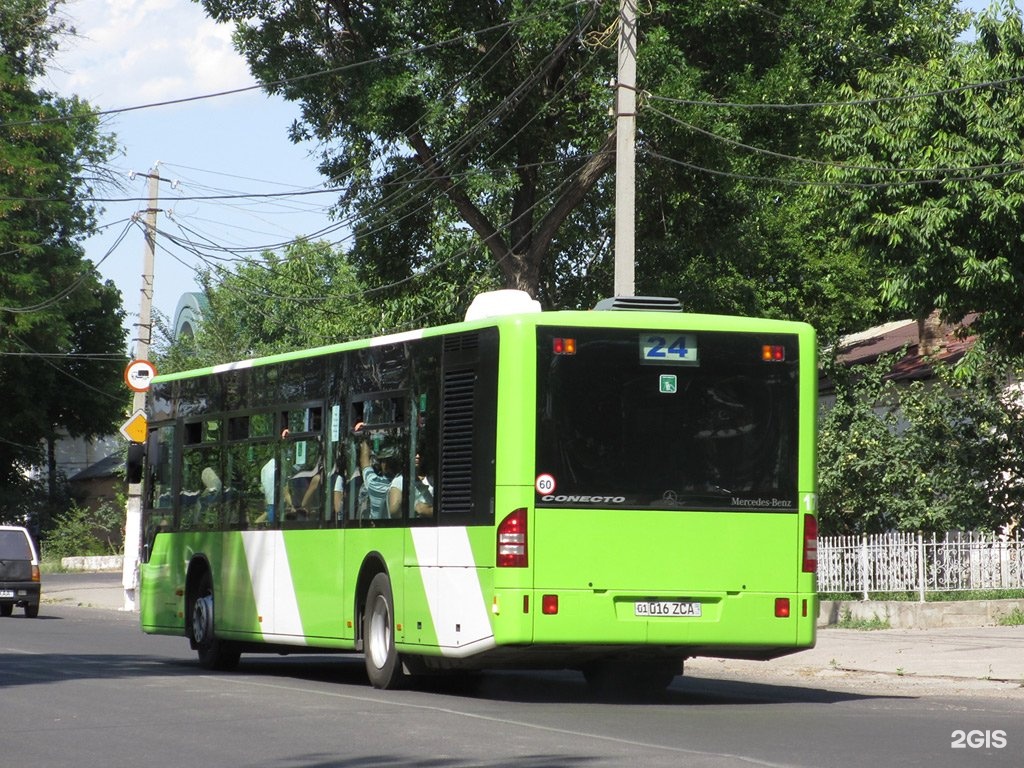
column 1014, row 618
column 490, row 119
column 847, row 621
column 942, row 596
column 61, row 333
column 307, row 296
column 931, row 182
column 80, row 531
column 476, row 139
column 731, row 212
column 921, row 457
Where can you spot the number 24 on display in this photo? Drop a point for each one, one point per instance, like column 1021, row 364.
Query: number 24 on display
column 680, row 349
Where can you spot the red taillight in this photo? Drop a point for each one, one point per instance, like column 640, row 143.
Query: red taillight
column 512, row 541
column 782, row 607
column 549, row 605
column 773, row 353
column 35, row 573
column 810, row 544
column 563, row 346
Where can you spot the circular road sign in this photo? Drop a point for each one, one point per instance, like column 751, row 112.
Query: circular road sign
column 138, row 375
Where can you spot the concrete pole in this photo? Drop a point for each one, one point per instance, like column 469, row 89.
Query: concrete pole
column 625, row 153
column 144, row 337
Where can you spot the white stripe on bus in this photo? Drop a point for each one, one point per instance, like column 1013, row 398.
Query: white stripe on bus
column 451, row 581
column 272, row 586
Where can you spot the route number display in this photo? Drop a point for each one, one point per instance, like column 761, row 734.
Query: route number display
column 668, row 349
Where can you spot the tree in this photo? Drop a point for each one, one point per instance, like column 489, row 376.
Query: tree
column 478, row 135
column 308, row 296
column 489, row 118
column 61, row 334
column 924, row 456
column 934, row 191
column 732, row 215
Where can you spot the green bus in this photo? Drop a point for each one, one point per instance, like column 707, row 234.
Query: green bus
column 612, row 491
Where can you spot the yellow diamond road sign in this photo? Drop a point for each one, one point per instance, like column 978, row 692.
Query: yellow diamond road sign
column 135, row 428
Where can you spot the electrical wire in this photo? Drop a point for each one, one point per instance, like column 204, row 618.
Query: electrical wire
column 86, row 274
column 1009, row 166
column 412, row 51
column 866, row 102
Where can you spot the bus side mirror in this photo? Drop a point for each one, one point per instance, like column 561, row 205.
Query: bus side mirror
column 136, row 457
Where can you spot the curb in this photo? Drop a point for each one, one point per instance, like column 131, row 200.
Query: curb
column 93, row 563
column 906, row 615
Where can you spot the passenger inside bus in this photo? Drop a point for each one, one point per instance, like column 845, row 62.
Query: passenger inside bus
column 343, row 484
column 423, row 493
column 377, row 476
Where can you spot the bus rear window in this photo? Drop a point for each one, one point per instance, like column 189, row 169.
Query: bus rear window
column 667, row 419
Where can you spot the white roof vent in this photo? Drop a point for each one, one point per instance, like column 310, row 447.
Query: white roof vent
column 497, row 303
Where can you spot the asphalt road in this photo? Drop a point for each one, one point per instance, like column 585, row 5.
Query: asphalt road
column 83, row 687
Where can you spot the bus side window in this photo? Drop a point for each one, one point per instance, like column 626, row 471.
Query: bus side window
column 159, row 513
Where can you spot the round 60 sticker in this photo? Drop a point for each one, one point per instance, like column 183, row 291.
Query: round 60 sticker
column 545, row 484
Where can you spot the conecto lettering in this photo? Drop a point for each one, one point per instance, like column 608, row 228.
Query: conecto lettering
column 584, row 499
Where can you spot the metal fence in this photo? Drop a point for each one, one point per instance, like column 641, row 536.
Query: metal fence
column 913, row 562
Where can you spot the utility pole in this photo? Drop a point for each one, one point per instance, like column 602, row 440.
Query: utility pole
column 144, row 337
column 625, row 153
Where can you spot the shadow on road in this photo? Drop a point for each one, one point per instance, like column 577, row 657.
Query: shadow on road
column 562, row 686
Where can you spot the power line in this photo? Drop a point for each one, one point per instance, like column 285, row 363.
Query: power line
column 1009, row 165
column 85, row 275
column 412, row 51
column 866, row 102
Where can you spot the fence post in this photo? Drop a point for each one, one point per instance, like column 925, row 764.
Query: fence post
column 920, row 566
column 864, row 564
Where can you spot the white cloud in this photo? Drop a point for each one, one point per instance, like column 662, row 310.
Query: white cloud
column 213, row 61
column 131, row 52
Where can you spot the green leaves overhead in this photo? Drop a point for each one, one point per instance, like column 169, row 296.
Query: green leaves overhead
column 478, row 114
column 943, row 208
column 61, row 336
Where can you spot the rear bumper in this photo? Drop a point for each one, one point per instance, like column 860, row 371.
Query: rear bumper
column 20, row 593
column 742, row 625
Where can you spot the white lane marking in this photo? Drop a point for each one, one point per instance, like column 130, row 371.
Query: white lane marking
column 503, row 721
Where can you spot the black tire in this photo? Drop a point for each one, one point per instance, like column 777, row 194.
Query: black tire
column 628, row 680
column 6, row 609
column 383, row 666
column 31, row 611
column 214, row 653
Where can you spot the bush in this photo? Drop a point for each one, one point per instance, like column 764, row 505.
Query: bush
column 916, row 457
column 79, row 531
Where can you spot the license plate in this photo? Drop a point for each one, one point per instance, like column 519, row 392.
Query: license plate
column 6, row 593
column 665, row 608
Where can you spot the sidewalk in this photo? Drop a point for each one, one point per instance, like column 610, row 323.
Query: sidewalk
column 980, row 658
column 92, row 589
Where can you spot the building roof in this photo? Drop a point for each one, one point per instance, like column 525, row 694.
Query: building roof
column 951, row 343
column 108, row 467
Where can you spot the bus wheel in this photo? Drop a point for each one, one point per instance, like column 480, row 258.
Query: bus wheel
column 213, row 653
column 383, row 666
column 614, row 679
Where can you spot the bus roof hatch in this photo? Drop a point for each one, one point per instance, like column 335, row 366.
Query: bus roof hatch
column 504, row 302
column 641, row 303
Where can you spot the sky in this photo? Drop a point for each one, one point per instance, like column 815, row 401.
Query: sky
column 130, row 53
column 136, row 52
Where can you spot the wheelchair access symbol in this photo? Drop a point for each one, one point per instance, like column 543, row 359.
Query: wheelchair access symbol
column 668, row 384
